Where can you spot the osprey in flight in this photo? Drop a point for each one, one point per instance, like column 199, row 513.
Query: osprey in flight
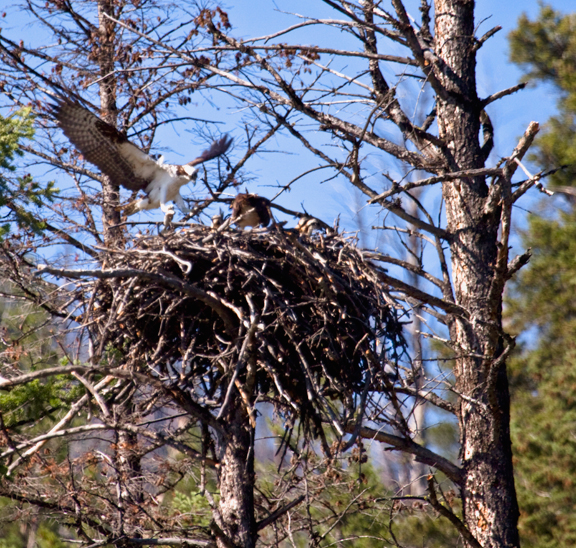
column 126, row 164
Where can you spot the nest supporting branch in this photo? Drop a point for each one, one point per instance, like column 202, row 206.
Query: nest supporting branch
column 302, row 322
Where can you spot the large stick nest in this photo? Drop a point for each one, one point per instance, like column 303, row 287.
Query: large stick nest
column 299, row 320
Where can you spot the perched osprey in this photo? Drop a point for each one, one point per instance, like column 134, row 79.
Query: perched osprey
column 126, row 164
column 250, row 210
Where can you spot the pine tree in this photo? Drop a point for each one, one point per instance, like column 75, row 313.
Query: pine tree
column 190, row 331
column 543, row 302
column 27, row 341
column 18, row 192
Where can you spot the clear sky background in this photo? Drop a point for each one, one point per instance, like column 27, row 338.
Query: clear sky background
column 510, row 115
column 495, row 72
column 286, row 159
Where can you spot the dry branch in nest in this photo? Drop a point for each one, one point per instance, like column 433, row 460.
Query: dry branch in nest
column 302, row 322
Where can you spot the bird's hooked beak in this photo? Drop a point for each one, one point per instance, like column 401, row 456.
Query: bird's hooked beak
column 191, row 171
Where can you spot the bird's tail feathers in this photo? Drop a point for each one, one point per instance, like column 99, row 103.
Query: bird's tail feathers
column 217, row 148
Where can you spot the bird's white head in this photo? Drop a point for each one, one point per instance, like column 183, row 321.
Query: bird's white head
column 190, row 171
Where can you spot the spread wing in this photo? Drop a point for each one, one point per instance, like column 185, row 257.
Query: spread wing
column 216, row 149
column 104, row 146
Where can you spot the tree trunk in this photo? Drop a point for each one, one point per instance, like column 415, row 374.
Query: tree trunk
column 129, row 468
column 489, row 497
column 236, row 476
column 109, row 113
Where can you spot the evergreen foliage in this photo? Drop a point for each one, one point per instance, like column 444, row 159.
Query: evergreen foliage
column 18, row 193
column 543, row 303
column 26, row 340
column 546, row 49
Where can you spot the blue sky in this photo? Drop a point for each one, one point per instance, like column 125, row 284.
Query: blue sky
column 510, row 115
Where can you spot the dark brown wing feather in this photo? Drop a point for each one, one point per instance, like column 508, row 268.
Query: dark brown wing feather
column 98, row 142
column 250, row 210
column 216, row 149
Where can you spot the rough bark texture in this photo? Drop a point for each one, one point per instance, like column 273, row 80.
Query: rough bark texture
column 109, row 111
column 312, row 313
column 236, row 456
column 490, row 507
column 126, row 457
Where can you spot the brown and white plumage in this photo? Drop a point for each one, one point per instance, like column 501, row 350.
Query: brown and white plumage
column 126, row 164
column 307, row 225
column 250, row 210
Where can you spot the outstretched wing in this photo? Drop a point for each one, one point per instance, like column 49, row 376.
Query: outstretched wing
column 104, row 146
column 216, row 149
